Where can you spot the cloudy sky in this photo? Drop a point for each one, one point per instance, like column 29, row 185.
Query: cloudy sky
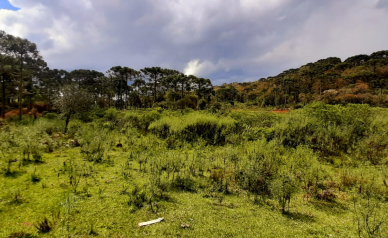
column 224, row 40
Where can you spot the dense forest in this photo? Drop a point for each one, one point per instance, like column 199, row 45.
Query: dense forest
column 22, row 67
column 359, row 79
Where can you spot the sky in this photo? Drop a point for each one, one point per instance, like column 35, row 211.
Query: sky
column 224, row 40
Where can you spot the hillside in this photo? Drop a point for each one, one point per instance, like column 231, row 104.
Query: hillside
column 358, row 79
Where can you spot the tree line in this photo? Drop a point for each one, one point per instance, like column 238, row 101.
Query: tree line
column 25, row 78
column 358, row 79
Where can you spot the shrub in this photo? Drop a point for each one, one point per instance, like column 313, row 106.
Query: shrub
column 326, row 195
column 194, row 126
column 137, row 198
column 45, row 226
column 74, row 127
column 202, row 104
column 184, row 184
column 35, row 178
column 49, row 126
column 51, row 116
column 141, row 119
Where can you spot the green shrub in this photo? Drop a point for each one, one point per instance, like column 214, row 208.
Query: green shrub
column 184, row 184
column 193, row 126
column 137, row 198
column 74, row 127
column 51, row 116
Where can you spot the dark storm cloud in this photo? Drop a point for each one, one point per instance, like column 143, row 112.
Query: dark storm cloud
column 226, row 40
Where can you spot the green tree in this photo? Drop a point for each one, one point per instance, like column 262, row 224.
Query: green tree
column 6, row 73
column 51, row 81
column 29, row 60
column 73, row 99
column 154, row 75
column 201, row 84
column 225, row 94
column 122, row 76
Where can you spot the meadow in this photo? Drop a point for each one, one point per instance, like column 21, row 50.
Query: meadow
column 319, row 171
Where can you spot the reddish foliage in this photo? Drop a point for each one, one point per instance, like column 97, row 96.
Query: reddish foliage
column 281, row 110
column 36, row 111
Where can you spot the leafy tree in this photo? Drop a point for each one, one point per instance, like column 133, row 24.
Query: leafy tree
column 183, row 81
column 122, row 76
column 29, row 60
column 51, row 81
column 154, row 75
column 201, row 85
column 6, row 72
column 383, row 54
column 73, row 99
column 87, row 79
column 226, row 93
column 138, row 84
column 357, row 60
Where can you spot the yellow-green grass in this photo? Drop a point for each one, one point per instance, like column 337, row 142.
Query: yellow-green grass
column 110, row 215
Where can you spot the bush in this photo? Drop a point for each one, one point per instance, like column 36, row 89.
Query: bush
column 50, row 126
column 51, row 116
column 184, row 184
column 137, row 198
column 202, row 104
column 74, row 127
column 45, row 226
column 141, row 119
column 194, row 126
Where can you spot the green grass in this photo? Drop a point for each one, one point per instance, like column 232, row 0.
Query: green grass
column 110, row 214
column 193, row 182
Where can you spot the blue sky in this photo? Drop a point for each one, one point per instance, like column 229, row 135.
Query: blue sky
column 4, row 4
column 224, row 40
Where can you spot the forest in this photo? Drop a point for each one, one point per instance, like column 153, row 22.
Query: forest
column 92, row 154
column 361, row 79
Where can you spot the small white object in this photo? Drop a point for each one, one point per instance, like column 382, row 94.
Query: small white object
column 151, row 222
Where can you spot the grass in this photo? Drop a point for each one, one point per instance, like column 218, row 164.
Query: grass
column 111, row 216
column 40, row 194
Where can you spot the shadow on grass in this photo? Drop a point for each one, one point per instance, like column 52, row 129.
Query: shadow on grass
column 26, row 162
column 13, row 174
column 299, row 216
column 20, row 234
column 330, row 207
column 228, row 205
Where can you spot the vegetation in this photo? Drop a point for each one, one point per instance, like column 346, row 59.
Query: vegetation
column 361, row 79
column 314, row 172
column 99, row 153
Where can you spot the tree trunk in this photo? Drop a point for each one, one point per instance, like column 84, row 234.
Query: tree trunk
column 3, row 98
column 20, row 98
column 155, row 89
column 67, row 121
column 29, row 102
column 20, row 88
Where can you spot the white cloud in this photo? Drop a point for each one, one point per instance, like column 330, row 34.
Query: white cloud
column 232, row 40
column 195, row 67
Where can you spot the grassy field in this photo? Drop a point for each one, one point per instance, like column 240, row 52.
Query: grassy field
column 314, row 172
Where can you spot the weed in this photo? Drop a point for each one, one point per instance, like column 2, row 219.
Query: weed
column 44, row 226
column 34, row 177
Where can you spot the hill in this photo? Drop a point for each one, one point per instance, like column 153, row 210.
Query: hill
column 358, row 79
